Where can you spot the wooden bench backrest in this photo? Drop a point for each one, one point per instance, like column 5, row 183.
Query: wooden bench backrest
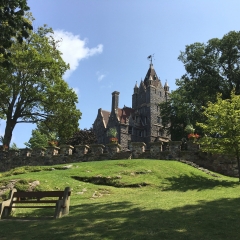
column 39, row 195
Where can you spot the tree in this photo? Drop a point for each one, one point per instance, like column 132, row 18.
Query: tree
column 37, row 140
column 211, row 68
column 222, row 127
column 85, row 136
column 176, row 114
column 32, row 89
column 14, row 146
column 13, row 24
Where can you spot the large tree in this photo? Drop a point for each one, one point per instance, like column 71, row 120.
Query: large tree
column 84, row 136
column 13, row 24
column 211, row 68
column 32, row 89
column 222, row 127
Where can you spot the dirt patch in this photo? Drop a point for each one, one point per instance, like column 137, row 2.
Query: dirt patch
column 109, row 181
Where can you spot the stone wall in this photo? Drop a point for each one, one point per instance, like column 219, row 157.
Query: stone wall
column 226, row 165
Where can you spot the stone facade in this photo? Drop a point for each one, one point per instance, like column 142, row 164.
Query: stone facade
column 142, row 122
column 226, row 165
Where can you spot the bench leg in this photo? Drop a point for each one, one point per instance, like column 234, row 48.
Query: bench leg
column 62, row 206
column 58, row 208
column 5, row 206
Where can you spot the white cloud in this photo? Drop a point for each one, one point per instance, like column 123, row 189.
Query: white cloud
column 100, row 76
column 109, row 85
column 74, row 49
column 76, row 90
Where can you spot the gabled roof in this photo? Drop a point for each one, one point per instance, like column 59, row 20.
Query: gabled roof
column 124, row 114
column 105, row 115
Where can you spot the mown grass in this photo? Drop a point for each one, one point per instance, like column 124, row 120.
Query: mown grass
column 129, row 199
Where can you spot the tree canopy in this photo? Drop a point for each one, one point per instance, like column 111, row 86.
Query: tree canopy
column 80, row 137
column 211, row 68
column 222, row 127
column 32, row 89
column 13, row 24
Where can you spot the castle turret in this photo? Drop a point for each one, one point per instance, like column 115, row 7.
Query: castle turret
column 115, row 101
column 135, row 96
column 135, row 88
column 166, row 89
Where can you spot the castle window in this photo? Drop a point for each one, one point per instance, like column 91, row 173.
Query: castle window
column 130, row 131
column 160, row 93
column 145, row 120
column 129, row 144
column 158, row 120
column 140, row 133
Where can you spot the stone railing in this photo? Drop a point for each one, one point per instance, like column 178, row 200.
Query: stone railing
column 66, row 154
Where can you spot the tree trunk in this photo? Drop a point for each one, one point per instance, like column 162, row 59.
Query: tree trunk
column 10, row 124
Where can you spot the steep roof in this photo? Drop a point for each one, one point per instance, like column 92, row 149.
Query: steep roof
column 151, row 75
column 105, row 115
column 124, row 114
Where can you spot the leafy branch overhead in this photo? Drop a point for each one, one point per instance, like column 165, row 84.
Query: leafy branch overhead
column 13, row 24
column 32, row 89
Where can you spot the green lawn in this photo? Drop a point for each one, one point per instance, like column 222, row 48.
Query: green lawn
column 129, row 199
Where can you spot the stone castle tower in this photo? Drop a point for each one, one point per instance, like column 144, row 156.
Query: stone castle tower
column 142, row 122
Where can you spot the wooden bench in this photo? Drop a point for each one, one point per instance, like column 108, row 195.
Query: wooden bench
column 35, row 200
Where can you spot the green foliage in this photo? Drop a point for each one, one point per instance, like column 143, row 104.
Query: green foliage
column 37, row 140
column 189, row 129
column 179, row 113
column 32, row 89
column 112, row 132
column 222, row 127
column 85, row 136
column 13, row 24
column 211, row 68
column 14, row 146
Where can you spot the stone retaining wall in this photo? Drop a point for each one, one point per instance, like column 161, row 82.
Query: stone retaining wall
column 226, row 165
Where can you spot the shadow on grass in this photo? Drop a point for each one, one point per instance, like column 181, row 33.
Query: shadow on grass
column 195, row 182
column 109, row 181
column 206, row 220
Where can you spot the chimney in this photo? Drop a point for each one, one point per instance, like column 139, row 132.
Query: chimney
column 115, row 100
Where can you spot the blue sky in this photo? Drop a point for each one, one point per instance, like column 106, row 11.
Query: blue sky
column 107, row 43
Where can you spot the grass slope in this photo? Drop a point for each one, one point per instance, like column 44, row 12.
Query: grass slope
column 129, row 199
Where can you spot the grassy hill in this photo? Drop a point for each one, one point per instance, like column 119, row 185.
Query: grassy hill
column 128, row 199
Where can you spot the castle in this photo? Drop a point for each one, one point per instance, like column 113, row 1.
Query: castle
column 142, row 122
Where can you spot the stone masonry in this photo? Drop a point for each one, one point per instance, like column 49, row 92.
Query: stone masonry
column 226, row 165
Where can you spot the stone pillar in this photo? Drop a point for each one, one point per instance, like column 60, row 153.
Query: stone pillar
column 52, row 151
column 81, row 150
column 25, row 152
column 113, row 148
column 155, row 148
column 191, row 146
column 97, row 149
column 38, row 151
column 66, row 150
column 137, row 148
column 13, row 153
column 174, row 149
